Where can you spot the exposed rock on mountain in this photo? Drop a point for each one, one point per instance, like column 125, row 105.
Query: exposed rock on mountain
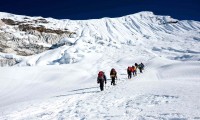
column 27, row 37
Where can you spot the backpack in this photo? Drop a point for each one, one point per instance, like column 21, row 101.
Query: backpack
column 113, row 71
column 136, row 64
column 134, row 68
column 142, row 65
column 100, row 75
column 129, row 69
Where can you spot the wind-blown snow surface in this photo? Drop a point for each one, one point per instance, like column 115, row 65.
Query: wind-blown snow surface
column 169, row 87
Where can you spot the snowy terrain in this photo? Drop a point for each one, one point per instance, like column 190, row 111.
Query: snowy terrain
column 61, row 82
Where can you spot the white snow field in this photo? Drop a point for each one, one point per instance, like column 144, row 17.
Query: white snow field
column 60, row 84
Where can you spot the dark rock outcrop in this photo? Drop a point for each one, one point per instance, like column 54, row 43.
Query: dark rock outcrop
column 29, row 37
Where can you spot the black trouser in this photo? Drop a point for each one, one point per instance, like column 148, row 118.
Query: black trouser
column 113, row 81
column 129, row 75
column 101, row 86
column 140, row 70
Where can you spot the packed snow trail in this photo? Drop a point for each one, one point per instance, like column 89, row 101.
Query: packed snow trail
column 145, row 96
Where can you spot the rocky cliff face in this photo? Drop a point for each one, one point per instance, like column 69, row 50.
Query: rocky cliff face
column 28, row 37
column 8, row 62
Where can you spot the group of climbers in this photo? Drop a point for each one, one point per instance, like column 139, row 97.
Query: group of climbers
column 101, row 79
column 133, row 70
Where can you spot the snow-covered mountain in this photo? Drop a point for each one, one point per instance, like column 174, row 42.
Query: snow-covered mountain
column 25, row 36
column 66, row 55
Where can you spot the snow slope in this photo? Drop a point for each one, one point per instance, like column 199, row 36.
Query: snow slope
column 169, row 88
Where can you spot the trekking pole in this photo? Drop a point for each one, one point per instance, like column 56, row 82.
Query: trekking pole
column 116, row 80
